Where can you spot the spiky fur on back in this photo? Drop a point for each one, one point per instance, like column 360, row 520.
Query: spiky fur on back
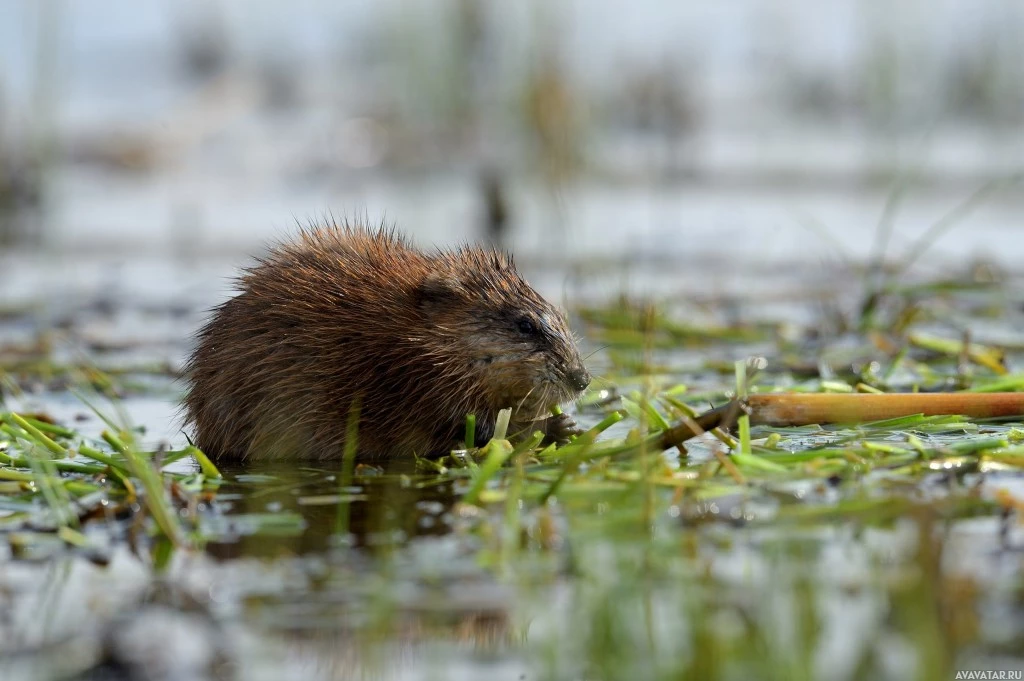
column 344, row 313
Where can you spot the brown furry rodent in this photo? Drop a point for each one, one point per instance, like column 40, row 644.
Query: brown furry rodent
column 344, row 315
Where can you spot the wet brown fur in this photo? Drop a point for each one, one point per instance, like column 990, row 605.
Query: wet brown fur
column 345, row 313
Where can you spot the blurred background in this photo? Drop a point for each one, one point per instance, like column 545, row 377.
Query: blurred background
column 204, row 127
column 679, row 148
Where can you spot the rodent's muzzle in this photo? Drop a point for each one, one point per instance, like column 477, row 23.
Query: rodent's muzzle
column 578, row 378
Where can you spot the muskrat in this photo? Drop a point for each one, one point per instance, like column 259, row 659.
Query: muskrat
column 347, row 318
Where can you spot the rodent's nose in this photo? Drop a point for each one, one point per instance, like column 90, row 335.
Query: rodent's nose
column 578, row 378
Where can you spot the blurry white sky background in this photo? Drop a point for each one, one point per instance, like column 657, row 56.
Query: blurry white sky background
column 208, row 126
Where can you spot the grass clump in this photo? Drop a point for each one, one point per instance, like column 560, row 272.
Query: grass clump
column 66, row 481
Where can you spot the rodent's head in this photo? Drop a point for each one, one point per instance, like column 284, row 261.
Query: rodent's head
column 482, row 313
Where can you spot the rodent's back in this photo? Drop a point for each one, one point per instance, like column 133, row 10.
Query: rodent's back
column 345, row 316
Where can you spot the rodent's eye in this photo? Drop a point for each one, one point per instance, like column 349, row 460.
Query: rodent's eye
column 526, row 327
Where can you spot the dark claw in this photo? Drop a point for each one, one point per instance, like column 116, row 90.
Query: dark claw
column 559, row 429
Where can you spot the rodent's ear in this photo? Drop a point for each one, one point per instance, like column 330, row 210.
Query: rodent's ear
column 438, row 290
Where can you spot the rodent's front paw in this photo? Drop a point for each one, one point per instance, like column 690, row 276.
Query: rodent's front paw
column 560, row 428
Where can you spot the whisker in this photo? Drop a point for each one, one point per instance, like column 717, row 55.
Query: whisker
column 525, row 397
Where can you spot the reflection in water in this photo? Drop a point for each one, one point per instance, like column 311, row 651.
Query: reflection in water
column 385, row 508
column 371, row 612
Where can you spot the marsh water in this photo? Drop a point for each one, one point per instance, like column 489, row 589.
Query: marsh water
column 755, row 218
column 420, row 587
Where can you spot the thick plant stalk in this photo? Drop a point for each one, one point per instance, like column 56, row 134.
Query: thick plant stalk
column 720, row 417
column 804, row 409
column 801, row 409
